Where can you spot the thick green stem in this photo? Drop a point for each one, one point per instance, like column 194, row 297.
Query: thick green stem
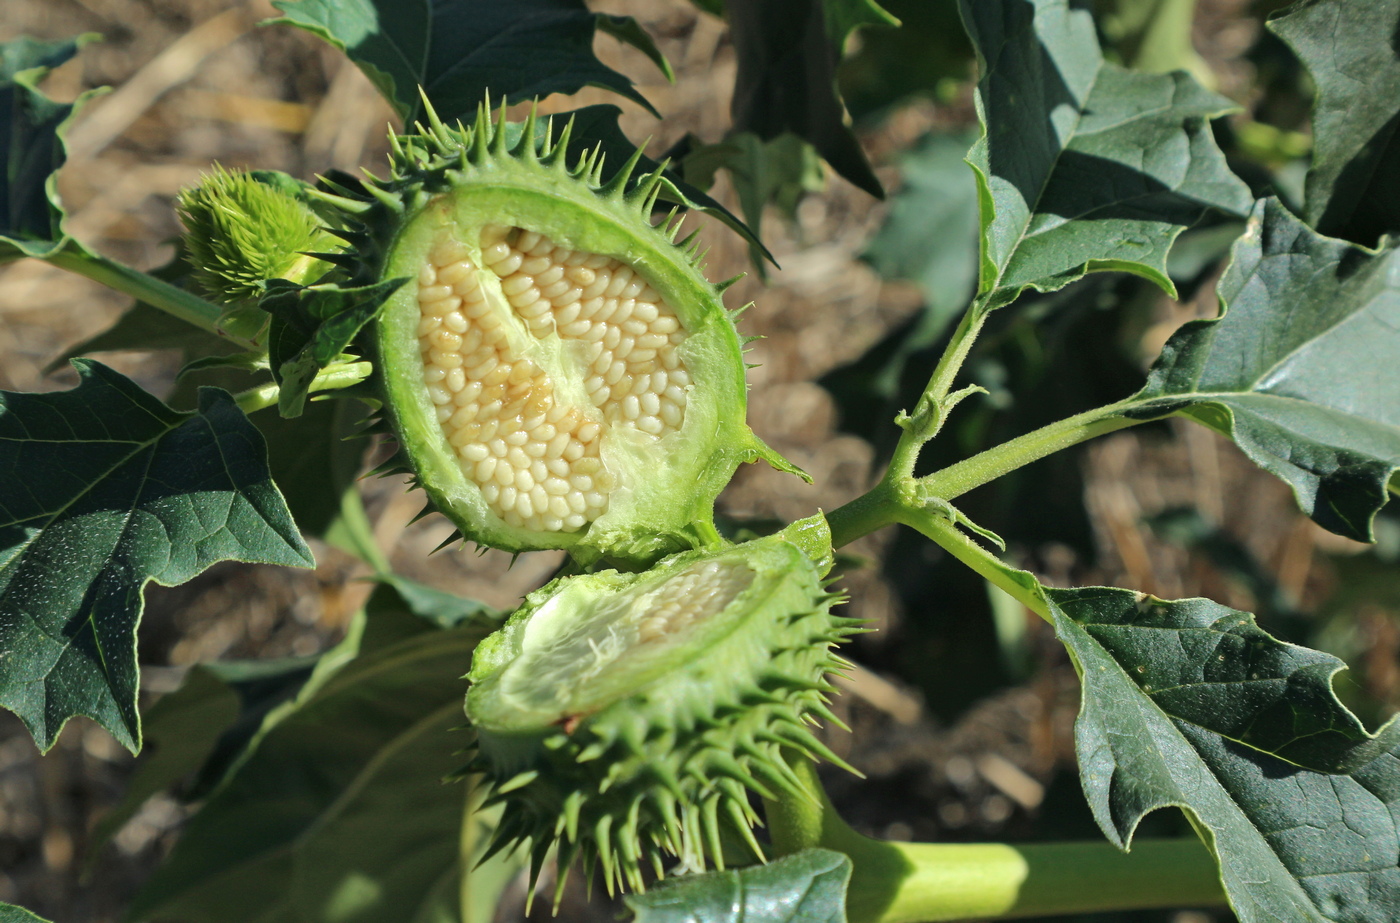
column 908, row 882
column 958, row 479
column 174, row 301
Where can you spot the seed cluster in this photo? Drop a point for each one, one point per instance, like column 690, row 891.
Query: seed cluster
column 535, row 457
column 693, row 594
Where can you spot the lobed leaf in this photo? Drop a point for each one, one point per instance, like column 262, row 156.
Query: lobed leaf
column 1301, row 368
column 31, row 146
column 1187, row 703
column 103, row 489
column 806, row 887
column 457, row 50
column 1083, row 165
column 1353, row 187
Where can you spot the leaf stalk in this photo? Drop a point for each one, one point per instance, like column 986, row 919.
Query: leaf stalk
column 142, row 286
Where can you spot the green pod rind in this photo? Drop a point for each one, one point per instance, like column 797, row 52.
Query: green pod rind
column 455, row 184
column 626, row 748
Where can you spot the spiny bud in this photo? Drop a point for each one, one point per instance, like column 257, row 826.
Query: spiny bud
column 243, row 229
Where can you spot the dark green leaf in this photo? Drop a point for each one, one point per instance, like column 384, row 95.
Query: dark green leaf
column 1353, row 188
column 806, row 887
column 31, row 146
column 102, row 490
column 777, row 172
column 340, row 811
column 9, row 913
column 312, row 327
column 458, row 50
column 143, row 327
column 1178, row 696
column 1083, row 165
column 787, row 53
column 927, row 55
column 1301, row 369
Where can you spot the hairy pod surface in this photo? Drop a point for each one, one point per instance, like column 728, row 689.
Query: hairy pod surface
column 559, row 372
column 243, row 229
column 627, row 717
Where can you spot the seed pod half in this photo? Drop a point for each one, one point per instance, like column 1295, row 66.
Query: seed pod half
column 559, row 372
column 626, row 717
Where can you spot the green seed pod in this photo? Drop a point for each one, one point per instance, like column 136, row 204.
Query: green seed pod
column 557, row 369
column 244, row 229
column 626, row 717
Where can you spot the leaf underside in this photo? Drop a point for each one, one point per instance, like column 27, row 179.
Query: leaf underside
column 1084, row 165
column 1302, row 368
column 131, row 491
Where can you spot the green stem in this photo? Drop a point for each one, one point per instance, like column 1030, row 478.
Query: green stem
column 908, row 882
column 174, row 301
column 950, row 363
column 958, row 479
column 1017, row 584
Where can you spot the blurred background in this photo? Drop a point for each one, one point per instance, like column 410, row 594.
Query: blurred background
column 962, row 703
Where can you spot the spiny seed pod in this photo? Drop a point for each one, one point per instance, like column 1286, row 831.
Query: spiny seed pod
column 626, row 717
column 558, row 371
column 244, row 229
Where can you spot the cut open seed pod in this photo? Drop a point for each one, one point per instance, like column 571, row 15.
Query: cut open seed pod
column 627, row 717
column 558, row 371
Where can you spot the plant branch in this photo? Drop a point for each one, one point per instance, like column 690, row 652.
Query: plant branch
column 958, row 479
column 908, row 882
column 144, row 287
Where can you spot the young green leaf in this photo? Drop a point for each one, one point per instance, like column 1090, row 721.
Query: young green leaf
column 1353, row 188
column 806, row 887
column 339, row 809
column 103, row 489
column 31, row 146
column 312, row 327
column 1301, row 369
column 788, row 51
column 1083, row 165
column 456, row 50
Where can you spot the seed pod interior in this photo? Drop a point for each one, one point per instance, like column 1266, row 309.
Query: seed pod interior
column 559, row 370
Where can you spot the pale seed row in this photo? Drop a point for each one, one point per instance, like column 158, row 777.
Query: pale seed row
column 693, row 594
column 535, row 459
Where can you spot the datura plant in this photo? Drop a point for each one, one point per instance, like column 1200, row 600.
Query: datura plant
column 508, row 316
column 626, row 718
